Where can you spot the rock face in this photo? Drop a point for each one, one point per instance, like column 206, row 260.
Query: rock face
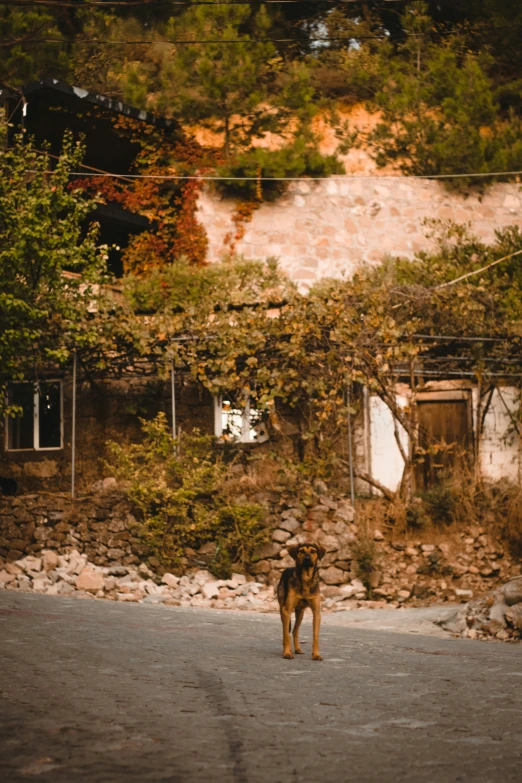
column 496, row 615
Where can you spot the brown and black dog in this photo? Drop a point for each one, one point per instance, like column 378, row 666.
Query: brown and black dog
column 297, row 589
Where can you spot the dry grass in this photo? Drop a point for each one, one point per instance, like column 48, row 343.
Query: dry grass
column 454, row 505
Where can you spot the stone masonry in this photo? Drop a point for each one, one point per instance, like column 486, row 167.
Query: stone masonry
column 326, row 228
column 99, row 535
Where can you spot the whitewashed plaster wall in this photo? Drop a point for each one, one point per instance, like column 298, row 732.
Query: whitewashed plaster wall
column 326, row 228
column 387, row 465
column 500, row 446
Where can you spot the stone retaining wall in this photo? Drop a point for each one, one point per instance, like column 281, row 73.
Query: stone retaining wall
column 326, row 228
column 102, row 528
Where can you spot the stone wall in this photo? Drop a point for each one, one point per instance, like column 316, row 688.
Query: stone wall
column 100, row 526
column 327, row 228
column 101, row 529
column 99, row 533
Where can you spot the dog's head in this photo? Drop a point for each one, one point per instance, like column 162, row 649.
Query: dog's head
column 307, row 555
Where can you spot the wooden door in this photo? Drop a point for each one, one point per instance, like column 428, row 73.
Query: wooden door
column 444, row 423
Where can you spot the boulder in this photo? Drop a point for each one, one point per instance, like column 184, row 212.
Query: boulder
column 262, row 567
column 50, row 560
column 344, row 512
column 30, row 563
column 239, row 579
column 332, row 575
column 330, row 543
column 513, row 591
column 514, row 616
column 289, row 524
column 280, row 536
column 201, row 577
column 349, row 590
column 270, row 549
column 170, row 580
column 210, row 590
column 208, row 549
column 89, row 580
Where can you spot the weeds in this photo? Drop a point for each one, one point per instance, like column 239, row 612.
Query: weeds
column 364, row 554
column 456, row 502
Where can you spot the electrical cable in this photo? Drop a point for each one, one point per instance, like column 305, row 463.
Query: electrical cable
column 308, row 178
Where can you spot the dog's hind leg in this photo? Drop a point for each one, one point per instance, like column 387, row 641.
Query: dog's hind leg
column 299, row 612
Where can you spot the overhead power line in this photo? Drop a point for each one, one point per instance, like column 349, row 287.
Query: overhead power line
column 331, row 178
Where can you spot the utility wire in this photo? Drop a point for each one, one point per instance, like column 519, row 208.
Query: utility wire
column 477, row 271
column 333, row 178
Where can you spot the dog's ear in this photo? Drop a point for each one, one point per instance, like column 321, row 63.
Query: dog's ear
column 293, row 550
column 321, row 551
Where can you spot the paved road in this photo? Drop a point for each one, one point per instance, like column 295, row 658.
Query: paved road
column 105, row 692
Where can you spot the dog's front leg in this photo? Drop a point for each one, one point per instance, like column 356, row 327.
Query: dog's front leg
column 286, row 619
column 316, row 611
column 297, row 623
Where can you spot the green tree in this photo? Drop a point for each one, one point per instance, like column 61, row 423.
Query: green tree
column 21, row 60
column 50, row 267
column 439, row 114
column 187, row 496
column 240, row 90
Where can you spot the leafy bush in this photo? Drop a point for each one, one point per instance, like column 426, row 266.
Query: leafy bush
column 180, row 488
column 364, row 554
column 440, row 503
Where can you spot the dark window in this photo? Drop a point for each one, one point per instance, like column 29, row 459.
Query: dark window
column 40, row 424
column 49, row 416
column 20, row 430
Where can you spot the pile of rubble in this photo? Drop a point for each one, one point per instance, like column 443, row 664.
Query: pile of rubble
column 72, row 575
column 457, row 569
column 412, row 570
column 497, row 615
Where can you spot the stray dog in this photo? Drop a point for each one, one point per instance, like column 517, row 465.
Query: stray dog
column 297, row 589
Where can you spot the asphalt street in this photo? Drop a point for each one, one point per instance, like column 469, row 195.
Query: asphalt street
column 107, row 692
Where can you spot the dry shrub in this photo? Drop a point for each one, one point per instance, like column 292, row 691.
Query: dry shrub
column 455, row 503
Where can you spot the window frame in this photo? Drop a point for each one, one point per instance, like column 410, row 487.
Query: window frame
column 36, row 419
column 246, row 423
